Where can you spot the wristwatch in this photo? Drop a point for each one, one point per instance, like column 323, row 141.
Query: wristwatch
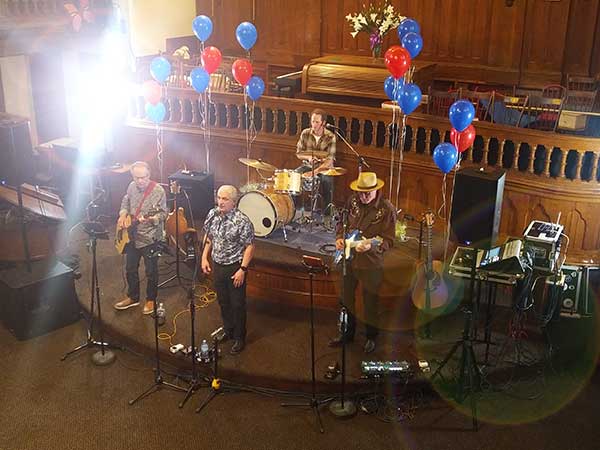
column 244, row 268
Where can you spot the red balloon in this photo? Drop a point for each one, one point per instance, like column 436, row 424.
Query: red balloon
column 211, row 58
column 152, row 91
column 242, row 71
column 397, row 60
column 462, row 140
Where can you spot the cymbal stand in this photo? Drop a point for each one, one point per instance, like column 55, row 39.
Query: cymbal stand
column 314, row 266
column 159, row 382
column 103, row 357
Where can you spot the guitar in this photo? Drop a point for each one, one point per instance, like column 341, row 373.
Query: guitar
column 177, row 229
column 352, row 240
column 126, row 234
column 429, row 289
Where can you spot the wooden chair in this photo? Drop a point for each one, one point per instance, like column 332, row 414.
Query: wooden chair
column 580, row 100
column 542, row 113
column 482, row 101
column 579, row 83
column 508, row 110
column 554, row 91
column 439, row 102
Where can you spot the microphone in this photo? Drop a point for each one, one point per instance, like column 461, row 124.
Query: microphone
column 332, row 127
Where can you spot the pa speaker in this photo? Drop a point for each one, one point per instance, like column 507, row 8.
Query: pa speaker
column 477, row 206
column 15, row 150
column 198, row 188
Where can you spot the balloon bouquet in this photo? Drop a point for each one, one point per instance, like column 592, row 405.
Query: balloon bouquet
column 253, row 85
column 446, row 154
column 400, row 88
column 155, row 109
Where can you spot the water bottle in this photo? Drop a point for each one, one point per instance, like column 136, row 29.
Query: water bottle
column 343, row 320
column 160, row 314
column 204, row 352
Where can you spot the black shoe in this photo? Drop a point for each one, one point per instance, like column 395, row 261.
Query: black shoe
column 337, row 341
column 237, row 347
column 224, row 338
column 369, row 346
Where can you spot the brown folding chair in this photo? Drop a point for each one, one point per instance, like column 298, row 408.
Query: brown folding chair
column 542, row 113
column 579, row 83
column 508, row 110
column 439, row 102
column 482, row 101
column 580, row 101
column 554, row 91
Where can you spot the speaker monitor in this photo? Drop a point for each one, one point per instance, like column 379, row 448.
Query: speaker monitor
column 15, row 150
column 199, row 187
column 477, row 206
column 37, row 302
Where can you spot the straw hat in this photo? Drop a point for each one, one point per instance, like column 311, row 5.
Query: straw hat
column 367, row 182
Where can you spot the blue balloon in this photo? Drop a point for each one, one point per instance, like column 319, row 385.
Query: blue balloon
column 445, row 156
column 255, row 87
column 461, row 114
column 160, row 69
column 246, row 35
column 200, row 79
column 408, row 26
column 202, row 26
column 413, row 42
column 392, row 87
column 156, row 113
column 409, row 98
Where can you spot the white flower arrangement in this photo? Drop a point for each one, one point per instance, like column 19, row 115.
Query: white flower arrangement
column 377, row 20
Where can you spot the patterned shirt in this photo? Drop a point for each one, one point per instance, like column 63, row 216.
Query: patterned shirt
column 229, row 234
column 148, row 232
column 308, row 142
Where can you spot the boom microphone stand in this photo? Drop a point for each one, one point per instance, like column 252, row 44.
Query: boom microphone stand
column 104, row 357
column 362, row 163
column 314, row 266
column 343, row 408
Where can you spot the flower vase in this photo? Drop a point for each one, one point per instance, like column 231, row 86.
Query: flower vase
column 376, row 53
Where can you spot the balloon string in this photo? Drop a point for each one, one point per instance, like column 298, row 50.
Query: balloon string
column 159, row 151
column 390, row 127
column 400, row 160
column 447, row 235
column 247, row 137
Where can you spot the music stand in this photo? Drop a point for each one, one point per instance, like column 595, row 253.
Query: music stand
column 104, row 357
column 314, row 266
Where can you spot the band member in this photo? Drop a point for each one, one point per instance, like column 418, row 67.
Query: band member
column 145, row 201
column 230, row 245
column 320, row 140
column 373, row 216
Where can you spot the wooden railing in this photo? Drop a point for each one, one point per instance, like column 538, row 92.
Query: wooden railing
column 547, row 173
column 30, row 8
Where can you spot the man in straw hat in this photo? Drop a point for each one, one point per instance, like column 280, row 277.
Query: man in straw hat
column 374, row 217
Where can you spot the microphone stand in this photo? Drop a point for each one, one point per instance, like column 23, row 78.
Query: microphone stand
column 343, row 408
column 362, row 163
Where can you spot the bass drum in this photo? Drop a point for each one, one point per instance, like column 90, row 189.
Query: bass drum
column 267, row 210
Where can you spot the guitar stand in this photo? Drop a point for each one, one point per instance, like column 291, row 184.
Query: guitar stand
column 314, row 266
column 159, row 382
column 103, row 357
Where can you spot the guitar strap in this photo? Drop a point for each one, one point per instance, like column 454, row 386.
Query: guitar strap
column 146, row 193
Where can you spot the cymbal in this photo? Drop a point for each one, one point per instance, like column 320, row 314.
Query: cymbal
column 258, row 164
column 334, row 172
column 309, row 155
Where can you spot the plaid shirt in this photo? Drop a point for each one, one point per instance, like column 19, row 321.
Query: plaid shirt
column 148, row 232
column 307, row 142
column 229, row 234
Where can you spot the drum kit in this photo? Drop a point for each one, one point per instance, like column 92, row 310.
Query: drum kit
column 271, row 205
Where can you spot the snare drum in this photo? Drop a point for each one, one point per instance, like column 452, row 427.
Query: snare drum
column 288, row 182
column 267, row 210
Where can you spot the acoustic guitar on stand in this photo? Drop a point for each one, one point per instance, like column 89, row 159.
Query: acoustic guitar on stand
column 126, row 233
column 429, row 289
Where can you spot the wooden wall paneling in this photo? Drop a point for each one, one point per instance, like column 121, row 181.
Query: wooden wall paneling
column 579, row 42
column 226, row 15
column 426, row 12
column 544, row 43
column 472, row 31
column 595, row 60
column 506, row 34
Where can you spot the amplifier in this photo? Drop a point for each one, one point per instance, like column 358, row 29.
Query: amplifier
column 199, row 187
column 37, row 302
column 542, row 243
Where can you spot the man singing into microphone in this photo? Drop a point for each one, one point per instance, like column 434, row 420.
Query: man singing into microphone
column 229, row 243
column 320, row 141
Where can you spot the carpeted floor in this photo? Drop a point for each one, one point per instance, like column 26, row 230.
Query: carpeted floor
column 49, row 404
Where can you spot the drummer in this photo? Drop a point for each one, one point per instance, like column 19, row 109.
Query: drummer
column 321, row 141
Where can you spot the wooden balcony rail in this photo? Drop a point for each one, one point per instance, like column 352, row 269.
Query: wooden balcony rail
column 30, row 8
column 545, row 155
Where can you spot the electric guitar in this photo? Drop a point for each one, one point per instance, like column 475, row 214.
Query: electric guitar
column 126, row 233
column 352, row 240
column 429, row 289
